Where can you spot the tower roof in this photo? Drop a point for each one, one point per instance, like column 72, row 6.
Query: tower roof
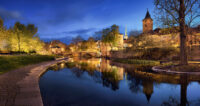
column 147, row 15
column 148, row 96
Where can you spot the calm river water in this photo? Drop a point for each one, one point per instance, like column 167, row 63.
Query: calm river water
column 83, row 82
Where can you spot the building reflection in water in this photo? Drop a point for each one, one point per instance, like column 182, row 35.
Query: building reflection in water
column 147, row 88
column 110, row 75
column 139, row 80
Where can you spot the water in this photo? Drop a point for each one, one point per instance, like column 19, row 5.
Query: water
column 102, row 82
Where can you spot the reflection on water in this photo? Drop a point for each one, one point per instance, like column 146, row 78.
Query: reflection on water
column 103, row 82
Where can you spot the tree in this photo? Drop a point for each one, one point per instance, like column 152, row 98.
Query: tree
column 168, row 11
column 91, row 43
column 176, row 12
column 91, row 39
column 25, row 36
column 1, row 22
column 31, row 29
column 110, row 35
column 77, row 39
column 98, row 35
column 18, row 29
column 135, row 33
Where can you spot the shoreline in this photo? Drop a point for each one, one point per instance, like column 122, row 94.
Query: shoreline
column 168, row 71
column 21, row 86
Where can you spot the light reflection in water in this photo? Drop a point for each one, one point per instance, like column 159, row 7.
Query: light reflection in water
column 132, row 83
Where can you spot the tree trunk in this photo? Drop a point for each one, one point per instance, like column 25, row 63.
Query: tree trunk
column 183, row 35
column 184, row 84
column 18, row 37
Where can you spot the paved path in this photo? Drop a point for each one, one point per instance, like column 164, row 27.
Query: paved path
column 21, row 87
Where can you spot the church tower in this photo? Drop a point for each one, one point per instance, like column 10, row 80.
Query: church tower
column 147, row 23
column 125, row 36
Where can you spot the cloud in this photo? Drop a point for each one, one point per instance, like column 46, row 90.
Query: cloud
column 68, row 11
column 10, row 15
column 81, row 31
column 85, row 33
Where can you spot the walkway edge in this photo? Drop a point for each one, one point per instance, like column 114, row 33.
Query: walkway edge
column 159, row 70
column 29, row 87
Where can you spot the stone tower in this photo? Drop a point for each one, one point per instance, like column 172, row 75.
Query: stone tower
column 147, row 23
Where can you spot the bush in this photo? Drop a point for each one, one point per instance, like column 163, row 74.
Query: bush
column 159, row 53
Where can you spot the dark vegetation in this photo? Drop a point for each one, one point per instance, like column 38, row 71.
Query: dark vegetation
column 160, row 54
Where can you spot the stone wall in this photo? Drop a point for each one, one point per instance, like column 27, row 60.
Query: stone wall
column 164, row 41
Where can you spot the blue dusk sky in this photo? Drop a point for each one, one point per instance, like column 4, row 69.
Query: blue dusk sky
column 64, row 19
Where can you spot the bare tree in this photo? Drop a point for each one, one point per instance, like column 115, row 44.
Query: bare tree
column 77, row 39
column 135, row 32
column 179, row 13
column 168, row 11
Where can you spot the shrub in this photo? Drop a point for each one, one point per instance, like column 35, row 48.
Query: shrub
column 159, row 53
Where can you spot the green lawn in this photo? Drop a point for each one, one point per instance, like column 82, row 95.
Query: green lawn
column 11, row 62
column 138, row 62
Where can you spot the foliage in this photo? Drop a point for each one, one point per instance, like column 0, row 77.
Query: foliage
column 110, row 35
column 135, row 33
column 80, row 45
column 70, row 64
column 16, row 61
column 179, row 13
column 1, row 22
column 4, row 40
column 153, row 41
column 159, row 53
column 20, row 38
column 169, row 30
column 77, row 39
column 97, row 35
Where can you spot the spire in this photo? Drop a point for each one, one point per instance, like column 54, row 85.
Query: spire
column 148, row 96
column 126, row 36
column 147, row 15
column 126, row 31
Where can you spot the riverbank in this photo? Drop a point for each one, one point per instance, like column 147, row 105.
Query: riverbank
column 11, row 62
column 179, row 69
column 20, row 87
column 137, row 61
column 164, row 67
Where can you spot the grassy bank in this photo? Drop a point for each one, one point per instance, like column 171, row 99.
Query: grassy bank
column 138, row 62
column 12, row 62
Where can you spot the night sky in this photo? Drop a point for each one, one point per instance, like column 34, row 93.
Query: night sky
column 64, row 19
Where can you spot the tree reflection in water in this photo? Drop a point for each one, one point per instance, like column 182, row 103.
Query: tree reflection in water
column 135, row 85
column 77, row 72
column 140, row 79
column 110, row 79
column 171, row 102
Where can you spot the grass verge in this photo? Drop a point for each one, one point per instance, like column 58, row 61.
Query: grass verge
column 12, row 62
column 138, row 62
